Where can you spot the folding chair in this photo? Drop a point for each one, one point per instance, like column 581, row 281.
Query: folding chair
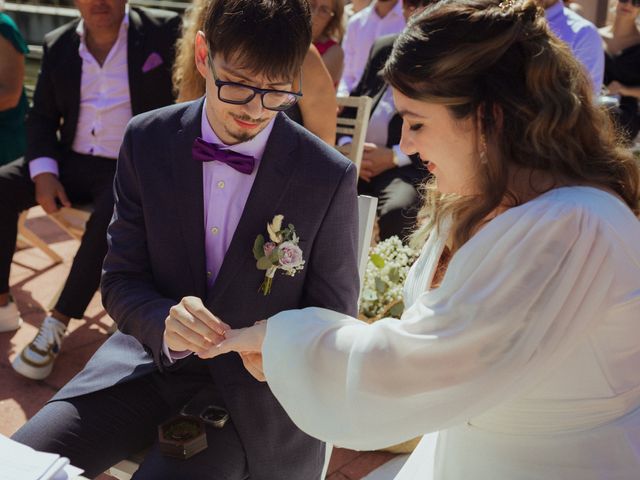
column 354, row 126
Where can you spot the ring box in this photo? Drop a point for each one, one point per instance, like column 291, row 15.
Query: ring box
column 182, row 436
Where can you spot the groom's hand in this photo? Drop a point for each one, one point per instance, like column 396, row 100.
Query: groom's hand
column 191, row 326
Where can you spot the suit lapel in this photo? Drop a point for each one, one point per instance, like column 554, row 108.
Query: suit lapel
column 276, row 170
column 69, row 73
column 189, row 199
column 135, row 59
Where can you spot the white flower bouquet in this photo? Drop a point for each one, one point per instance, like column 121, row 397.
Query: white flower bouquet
column 387, row 269
column 389, row 263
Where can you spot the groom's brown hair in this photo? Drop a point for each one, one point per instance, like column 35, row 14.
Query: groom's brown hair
column 269, row 37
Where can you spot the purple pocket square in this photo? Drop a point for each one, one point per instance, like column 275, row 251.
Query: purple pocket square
column 154, row 60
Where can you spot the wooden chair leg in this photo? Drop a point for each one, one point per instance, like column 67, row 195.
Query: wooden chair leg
column 25, row 234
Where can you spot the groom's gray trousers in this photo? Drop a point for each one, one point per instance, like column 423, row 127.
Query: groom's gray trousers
column 97, row 430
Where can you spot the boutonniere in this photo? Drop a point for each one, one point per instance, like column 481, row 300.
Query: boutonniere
column 281, row 252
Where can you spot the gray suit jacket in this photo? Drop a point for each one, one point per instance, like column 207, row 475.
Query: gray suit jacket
column 157, row 256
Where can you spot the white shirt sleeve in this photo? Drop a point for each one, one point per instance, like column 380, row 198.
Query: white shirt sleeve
column 172, row 356
column 349, row 45
column 43, row 165
column 520, row 291
column 403, row 158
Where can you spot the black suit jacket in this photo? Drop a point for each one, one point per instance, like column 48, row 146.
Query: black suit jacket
column 51, row 123
column 157, row 256
column 373, row 85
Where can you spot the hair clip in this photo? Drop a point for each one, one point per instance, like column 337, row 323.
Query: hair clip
column 506, row 4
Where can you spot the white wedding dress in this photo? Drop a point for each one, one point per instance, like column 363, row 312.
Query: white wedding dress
column 525, row 361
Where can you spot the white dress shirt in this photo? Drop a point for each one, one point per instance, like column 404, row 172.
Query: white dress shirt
column 105, row 103
column 378, row 129
column 525, row 358
column 582, row 37
column 362, row 31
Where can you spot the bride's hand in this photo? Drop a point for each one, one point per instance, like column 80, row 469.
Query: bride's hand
column 253, row 363
column 243, row 340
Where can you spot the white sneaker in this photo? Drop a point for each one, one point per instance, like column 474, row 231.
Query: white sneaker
column 36, row 359
column 9, row 317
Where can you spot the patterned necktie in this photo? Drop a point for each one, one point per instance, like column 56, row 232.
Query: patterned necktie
column 209, row 152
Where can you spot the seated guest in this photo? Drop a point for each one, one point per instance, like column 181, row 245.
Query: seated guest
column 622, row 65
column 582, row 37
column 386, row 172
column 316, row 110
column 13, row 101
column 326, row 21
column 382, row 17
column 97, row 72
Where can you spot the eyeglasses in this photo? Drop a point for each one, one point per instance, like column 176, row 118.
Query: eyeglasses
column 241, row 94
column 321, row 10
column 635, row 3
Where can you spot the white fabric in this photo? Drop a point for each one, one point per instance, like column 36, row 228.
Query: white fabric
column 105, row 102
column 362, row 31
column 378, row 129
column 43, row 165
column 525, row 359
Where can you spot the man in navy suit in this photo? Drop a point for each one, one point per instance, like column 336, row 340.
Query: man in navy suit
column 196, row 183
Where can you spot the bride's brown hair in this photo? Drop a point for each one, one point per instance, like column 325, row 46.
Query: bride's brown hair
column 479, row 57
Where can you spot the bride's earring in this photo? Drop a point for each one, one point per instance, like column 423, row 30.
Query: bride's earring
column 483, row 149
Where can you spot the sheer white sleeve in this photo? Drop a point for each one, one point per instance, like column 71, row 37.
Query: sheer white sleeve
column 513, row 299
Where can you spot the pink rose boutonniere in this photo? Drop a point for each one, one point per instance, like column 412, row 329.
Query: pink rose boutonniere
column 281, row 252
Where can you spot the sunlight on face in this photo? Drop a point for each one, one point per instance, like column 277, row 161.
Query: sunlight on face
column 447, row 146
column 101, row 14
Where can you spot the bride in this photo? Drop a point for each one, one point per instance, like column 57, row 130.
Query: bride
column 520, row 345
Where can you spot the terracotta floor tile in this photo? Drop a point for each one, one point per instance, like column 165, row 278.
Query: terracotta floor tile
column 364, row 464
column 20, row 399
column 340, row 457
column 337, row 476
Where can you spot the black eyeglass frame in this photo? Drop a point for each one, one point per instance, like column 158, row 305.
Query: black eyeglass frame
column 261, row 91
column 635, row 3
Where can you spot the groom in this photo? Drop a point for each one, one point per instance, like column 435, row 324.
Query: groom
column 196, row 183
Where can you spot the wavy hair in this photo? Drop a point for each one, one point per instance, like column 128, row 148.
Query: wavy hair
column 188, row 84
column 335, row 27
column 478, row 57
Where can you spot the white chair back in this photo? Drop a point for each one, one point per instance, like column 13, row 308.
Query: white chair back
column 356, row 127
column 366, row 219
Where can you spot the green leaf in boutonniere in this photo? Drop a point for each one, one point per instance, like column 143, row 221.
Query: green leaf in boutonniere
column 264, row 263
column 281, row 252
column 258, row 247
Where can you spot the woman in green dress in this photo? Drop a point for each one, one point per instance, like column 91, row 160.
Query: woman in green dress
column 13, row 101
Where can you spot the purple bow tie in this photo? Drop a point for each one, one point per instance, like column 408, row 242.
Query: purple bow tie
column 208, row 152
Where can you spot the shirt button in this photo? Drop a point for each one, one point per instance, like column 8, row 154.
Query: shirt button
column 220, row 184
column 208, row 274
column 215, row 230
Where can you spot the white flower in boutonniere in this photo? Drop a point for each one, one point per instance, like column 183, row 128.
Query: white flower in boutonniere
column 280, row 253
